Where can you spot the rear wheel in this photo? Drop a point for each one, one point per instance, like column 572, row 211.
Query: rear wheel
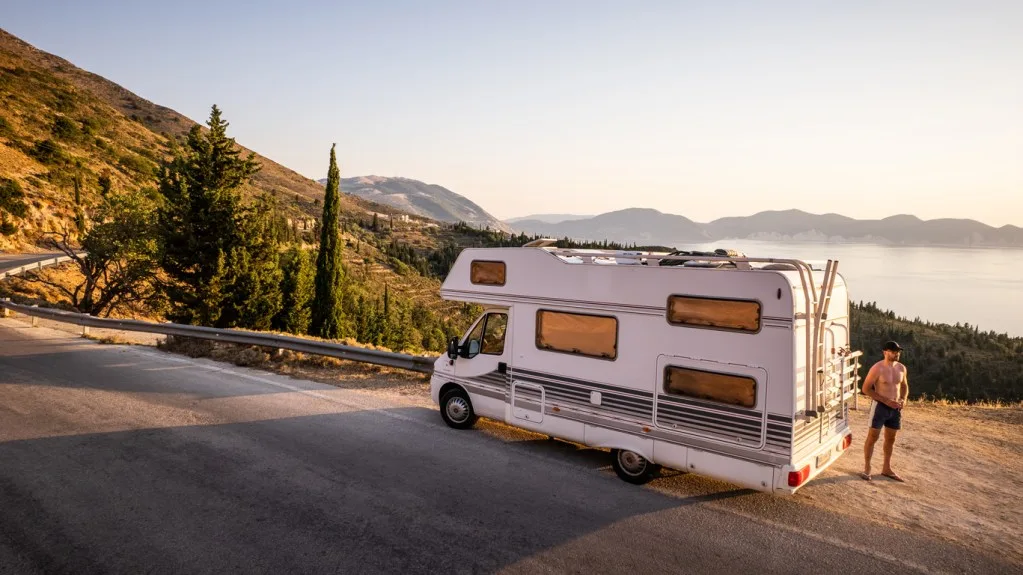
column 456, row 409
column 633, row 467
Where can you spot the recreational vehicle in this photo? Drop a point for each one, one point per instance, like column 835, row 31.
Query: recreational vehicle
column 733, row 367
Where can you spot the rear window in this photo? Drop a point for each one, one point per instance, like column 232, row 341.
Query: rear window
column 738, row 390
column 730, row 314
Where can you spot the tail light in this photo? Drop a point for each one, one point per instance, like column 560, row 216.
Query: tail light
column 846, row 442
column 796, row 478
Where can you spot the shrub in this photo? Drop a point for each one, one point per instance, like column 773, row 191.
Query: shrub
column 49, row 152
column 12, row 198
column 65, row 129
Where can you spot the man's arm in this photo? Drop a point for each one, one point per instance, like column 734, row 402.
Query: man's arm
column 904, row 387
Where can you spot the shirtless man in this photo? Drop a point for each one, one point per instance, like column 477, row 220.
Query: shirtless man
column 887, row 384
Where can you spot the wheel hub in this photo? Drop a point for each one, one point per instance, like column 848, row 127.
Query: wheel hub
column 632, row 462
column 458, row 409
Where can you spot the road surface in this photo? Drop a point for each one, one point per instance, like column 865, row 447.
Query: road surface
column 125, row 459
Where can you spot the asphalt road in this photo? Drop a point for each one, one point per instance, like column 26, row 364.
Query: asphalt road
column 118, row 459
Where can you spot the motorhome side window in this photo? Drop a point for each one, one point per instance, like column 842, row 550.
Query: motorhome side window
column 488, row 335
column 722, row 387
column 576, row 333
column 487, row 273
column 731, row 314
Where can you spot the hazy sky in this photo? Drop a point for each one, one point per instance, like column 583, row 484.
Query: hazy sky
column 705, row 109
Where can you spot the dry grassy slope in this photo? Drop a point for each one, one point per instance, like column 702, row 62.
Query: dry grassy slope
column 127, row 132
column 121, row 134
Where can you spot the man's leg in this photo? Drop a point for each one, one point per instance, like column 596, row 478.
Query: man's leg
column 876, row 417
column 889, row 445
column 868, row 450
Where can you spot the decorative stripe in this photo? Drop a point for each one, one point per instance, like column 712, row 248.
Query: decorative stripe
column 724, row 421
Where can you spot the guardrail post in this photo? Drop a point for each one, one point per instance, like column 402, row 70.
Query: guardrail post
column 4, row 312
column 85, row 331
column 35, row 320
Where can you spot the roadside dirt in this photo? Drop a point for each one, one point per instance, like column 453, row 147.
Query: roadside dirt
column 963, row 465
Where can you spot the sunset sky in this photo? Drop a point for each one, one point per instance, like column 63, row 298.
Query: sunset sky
column 704, row 109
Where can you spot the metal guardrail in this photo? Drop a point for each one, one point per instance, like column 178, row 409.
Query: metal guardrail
column 34, row 266
column 419, row 363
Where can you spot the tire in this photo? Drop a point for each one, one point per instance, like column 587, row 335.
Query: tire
column 456, row 409
column 633, row 467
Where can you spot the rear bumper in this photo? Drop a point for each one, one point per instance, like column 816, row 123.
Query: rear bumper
column 810, row 466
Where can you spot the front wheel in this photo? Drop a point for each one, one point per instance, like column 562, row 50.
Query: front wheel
column 633, row 467
column 456, row 409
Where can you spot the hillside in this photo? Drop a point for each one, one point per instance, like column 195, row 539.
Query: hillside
column 651, row 226
column 63, row 129
column 60, row 124
column 420, row 199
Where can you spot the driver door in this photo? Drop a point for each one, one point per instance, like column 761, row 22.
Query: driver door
column 486, row 352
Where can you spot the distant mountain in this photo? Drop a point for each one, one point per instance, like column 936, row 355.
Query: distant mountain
column 547, row 218
column 634, row 225
column 419, row 198
column 647, row 226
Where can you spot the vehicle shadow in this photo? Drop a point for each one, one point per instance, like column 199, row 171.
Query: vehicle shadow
column 370, row 491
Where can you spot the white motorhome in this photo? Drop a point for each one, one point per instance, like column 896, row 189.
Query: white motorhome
column 734, row 367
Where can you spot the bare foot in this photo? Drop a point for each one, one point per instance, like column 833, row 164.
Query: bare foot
column 893, row 476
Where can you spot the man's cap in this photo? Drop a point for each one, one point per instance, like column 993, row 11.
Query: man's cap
column 892, row 346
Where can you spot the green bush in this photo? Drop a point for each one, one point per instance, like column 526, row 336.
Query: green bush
column 137, row 164
column 49, row 153
column 65, row 129
column 7, row 227
column 12, row 198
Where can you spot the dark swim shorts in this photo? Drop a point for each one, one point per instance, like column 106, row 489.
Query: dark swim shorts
column 881, row 414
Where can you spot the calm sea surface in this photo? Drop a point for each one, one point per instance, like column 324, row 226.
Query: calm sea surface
column 982, row 287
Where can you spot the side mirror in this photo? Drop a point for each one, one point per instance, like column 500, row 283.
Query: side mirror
column 453, row 348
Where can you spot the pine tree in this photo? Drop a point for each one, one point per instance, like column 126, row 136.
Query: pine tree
column 327, row 315
column 220, row 257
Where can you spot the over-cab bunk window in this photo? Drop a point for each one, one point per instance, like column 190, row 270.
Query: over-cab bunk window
column 730, row 314
column 722, row 387
column 576, row 333
column 483, row 272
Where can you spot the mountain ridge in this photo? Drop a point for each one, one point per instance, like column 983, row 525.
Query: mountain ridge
column 650, row 226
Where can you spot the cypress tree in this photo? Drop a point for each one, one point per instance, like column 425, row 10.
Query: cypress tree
column 326, row 321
